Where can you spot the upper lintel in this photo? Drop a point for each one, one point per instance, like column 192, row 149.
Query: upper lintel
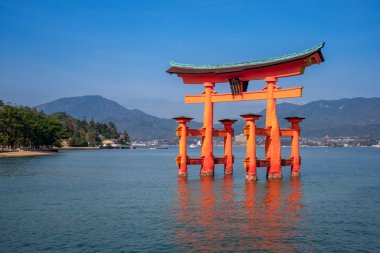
column 287, row 65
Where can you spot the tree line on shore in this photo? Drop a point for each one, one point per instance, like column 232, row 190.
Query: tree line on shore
column 25, row 127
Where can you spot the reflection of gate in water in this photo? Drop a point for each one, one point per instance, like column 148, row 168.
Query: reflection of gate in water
column 210, row 217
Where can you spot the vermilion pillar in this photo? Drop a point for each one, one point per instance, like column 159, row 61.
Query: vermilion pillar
column 207, row 147
column 272, row 143
column 228, row 165
column 182, row 157
column 295, row 155
column 250, row 159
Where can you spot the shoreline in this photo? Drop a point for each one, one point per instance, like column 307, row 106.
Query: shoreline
column 79, row 148
column 25, row 153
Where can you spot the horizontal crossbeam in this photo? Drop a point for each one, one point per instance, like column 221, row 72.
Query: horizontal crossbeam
column 245, row 96
column 222, row 160
column 266, row 163
column 266, row 132
column 201, row 132
column 199, row 161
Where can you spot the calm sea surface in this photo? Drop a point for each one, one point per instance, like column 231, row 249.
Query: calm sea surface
column 132, row 201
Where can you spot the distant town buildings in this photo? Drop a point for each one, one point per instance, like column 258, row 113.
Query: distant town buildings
column 240, row 140
column 343, row 141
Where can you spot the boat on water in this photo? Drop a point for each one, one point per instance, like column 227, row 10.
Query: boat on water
column 193, row 145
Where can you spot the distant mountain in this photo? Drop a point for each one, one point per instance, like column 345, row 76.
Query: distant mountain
column 343, row 117
column 140, row 126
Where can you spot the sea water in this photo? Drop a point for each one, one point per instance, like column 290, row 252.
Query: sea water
column 132, row 201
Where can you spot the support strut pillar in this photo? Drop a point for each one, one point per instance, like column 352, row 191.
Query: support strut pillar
column 228, row 166
column 250, row 159
column 182, row 158
column 295, row 155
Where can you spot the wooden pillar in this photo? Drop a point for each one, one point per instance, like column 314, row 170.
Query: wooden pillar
column 295, row 155
column 182, row 157
column 228, row 166
column 273, row 142
column 207, row 147
column 250, row 159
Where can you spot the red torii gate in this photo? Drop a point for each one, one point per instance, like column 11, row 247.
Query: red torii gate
column 239, row 75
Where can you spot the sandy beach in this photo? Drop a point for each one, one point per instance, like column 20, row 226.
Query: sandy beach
column 24, row 153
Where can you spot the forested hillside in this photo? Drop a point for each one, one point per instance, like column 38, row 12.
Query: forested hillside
column 88, row 133
column 25, row 127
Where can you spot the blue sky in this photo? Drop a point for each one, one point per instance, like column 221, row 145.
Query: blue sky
column 121, row 49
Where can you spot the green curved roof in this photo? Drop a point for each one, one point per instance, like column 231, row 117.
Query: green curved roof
column 250, row 63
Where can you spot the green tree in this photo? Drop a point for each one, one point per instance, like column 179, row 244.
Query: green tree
column 26, row 127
